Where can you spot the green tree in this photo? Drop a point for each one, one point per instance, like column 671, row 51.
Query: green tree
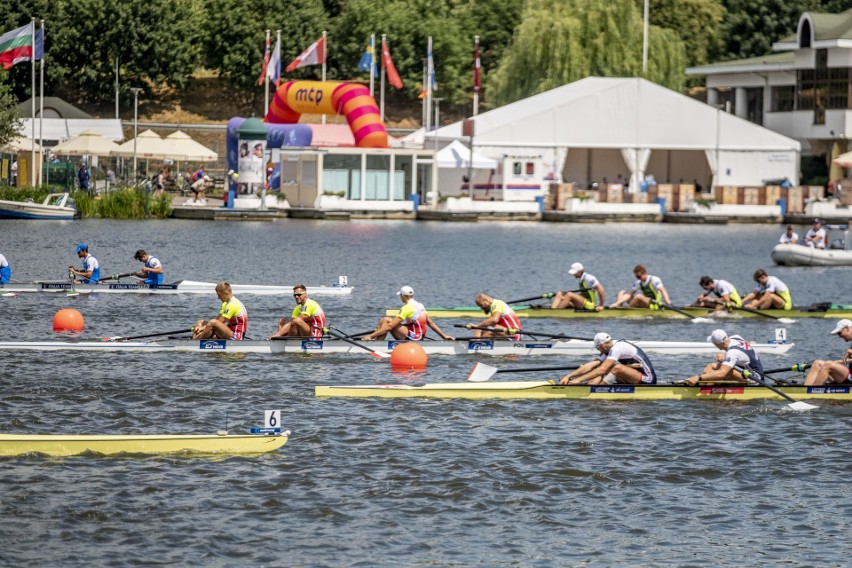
column 10, row 118
column 752, row 26
column 697, row 23
column 559, row 42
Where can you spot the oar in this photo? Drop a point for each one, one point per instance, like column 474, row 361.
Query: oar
column 482, row 372
column 764, row 314
column 334, row 332
column 512, row 331
column 695, row 319
column 798, row 367
column 794, row 404
column 545, row 296
column 120, row 338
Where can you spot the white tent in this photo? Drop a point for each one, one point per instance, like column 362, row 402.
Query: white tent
column 599, row 128
column 20, row 144
column 88, row 143
column 182, row 147
column 148, row 146
column 454, row 166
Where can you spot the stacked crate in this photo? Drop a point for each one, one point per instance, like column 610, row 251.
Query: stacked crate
column 726, row 195
column 685, row 194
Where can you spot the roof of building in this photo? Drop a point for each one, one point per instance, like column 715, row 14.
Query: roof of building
column 60, row 108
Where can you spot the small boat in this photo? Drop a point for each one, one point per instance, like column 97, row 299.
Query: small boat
column 179, row 287
column 837, row 254
column 59, row 206
column 568, row 347
column 829, row 311
column 548, row 390
column 61, row 445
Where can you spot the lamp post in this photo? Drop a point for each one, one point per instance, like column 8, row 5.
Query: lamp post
column 135, row 91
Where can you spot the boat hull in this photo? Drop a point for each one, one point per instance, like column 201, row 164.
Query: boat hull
column 72, row 445
column 546, row 390
column 498, row 347
column 617, row 313
column 798, row 255
column 29, row 210
column 181, row 287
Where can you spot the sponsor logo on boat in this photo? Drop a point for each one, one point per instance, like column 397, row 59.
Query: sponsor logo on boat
column 55, row 286
column 721, row 390
column 534, row 345
column 613, row 389
column 212, row 345
column 312, row 344
column 828, row 390
column 128, row 286
column 394, row 342
column 478, row 345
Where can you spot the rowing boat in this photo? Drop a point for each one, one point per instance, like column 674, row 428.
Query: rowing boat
column 61, row 445
column 818, row 311
column 568, row 347
column 179, row 287
column 547, row 390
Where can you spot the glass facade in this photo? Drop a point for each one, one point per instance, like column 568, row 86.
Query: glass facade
column 385, row 176
column 822, row 88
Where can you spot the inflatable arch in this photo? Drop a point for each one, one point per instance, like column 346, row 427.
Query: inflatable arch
column 351, row 100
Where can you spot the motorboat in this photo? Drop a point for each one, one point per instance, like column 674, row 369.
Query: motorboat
column 58, row 206
column 838, row 253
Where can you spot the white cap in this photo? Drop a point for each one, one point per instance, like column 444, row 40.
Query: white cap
column 601, row 338
column 405, row 291
column 841, row 325
column 718, row 336
column 206, row 178
column 575, row 268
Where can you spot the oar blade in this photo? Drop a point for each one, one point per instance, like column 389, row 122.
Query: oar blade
column 786, row 320
column 481, row 373
column 801, row 405
column 702, row 320
column 379, row 355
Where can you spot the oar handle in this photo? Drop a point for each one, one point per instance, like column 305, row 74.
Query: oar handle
column 798, row 367
column 544, row 296
column 533, row 369
column 119, row 276
column 184, row 330
column 513, row 331
column 757, row 312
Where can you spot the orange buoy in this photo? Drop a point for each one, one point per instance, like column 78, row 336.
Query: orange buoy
column 408, row 355
column 68, row 320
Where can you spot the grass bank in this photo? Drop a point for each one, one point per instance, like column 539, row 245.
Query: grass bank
column 118, row 204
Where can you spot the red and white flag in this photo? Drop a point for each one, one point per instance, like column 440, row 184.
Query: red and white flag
column 314, row 55
column 265, row 62
column 476, row 80
column 388, row 66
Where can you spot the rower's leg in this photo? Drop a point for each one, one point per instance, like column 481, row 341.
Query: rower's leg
column 818, row 373
column 640, row 301
column 400, row 332
column 626, row 375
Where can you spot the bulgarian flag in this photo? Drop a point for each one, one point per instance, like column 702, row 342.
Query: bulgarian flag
column 17, row 46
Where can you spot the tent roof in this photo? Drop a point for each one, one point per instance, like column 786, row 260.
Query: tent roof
column 182, row 147
column 62, row 129
column 457, row 155
column 617, row 113
column 59, row 106
column 20, row 144
column 149, row 146
column 88, row 143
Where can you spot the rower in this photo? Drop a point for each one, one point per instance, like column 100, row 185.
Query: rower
column 152, row 269
column 647, row 292
column 501, row 318
column 726, row 294
column 409, row 323
column 771, row 292
column 232, row 321
column 816, row 237
column 5, row 270
column 591, row 297
column 834, row 372
column 307, row 319
column 91, row 272
column 620, row 362
column 738, row 353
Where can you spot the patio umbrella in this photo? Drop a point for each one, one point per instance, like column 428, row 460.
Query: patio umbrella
column 149, row 146
column 88, row 143
column 20, row 144
column 182, row 147
column 835, row 171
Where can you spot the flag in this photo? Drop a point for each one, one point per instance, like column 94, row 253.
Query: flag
column 366, row 61
column 17, row 46
column 430, row 69
column 388, row 66
column 476, row 79
column 314, row 55
column 265, row 61
column 273, row 68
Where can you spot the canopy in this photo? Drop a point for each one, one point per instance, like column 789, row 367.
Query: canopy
column 20, row 144
column 844, row 160
column 149, row 146
column 181, row 146
column 88, row 143
column 457, row 155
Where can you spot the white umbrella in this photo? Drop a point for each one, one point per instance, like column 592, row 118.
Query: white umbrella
column 20, row 144
column 148, row 144
column 88, row 143
column 182, row 147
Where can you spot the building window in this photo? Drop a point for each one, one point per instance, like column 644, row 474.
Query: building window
column 784, row 98
column 754, row 104
column 822, row 88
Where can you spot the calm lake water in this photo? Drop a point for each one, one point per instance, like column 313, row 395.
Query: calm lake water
column 410, row 482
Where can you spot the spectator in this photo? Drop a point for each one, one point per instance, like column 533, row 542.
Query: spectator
column 83, row 177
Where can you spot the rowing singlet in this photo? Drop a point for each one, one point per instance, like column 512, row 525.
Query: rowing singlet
column 626, row 353
column 153, row 277
column 5, row 270
column 741, row 354
column 316, row 317
column 91, row 263
column 237, row 318
column 413, row 316
column 588, row 291
column 776, row 286
column 508, row 317
column 725, row 288
column 650, row 288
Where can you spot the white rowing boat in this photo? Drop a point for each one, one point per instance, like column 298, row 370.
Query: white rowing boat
column 180, row 287
column 567, row 347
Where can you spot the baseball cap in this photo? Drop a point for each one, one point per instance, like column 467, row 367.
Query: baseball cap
column 601, row 338
column 841, row 325
column 82, row 246
column 718, row 336
column 405, row 291
column 575, row 268
column 817, row 221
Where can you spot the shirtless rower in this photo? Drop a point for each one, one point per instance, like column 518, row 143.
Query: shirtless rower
column 501, row 318
column 725, row 292
column 738, row 353
column 306, row 320
column 834, row 372
column 620, row 362
column 591, row 297
column 771, row 292
column 647, row 292
column 409, row 323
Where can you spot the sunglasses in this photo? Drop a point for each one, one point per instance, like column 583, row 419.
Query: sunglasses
column 299, row 295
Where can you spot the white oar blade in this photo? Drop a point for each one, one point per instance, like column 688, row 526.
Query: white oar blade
column 799, row 405
column 481, row 373
column 786, row 320
column 702, row 320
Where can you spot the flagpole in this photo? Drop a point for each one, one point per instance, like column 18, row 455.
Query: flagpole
column 423, row 96
column 429, row 71
column 645, row 41
column 32, row 105
column 266, row 75
column 41, row 108
column 382, row 81
column 324, row 59
column 116, row 86
column 477, row 77
column 372, row 65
